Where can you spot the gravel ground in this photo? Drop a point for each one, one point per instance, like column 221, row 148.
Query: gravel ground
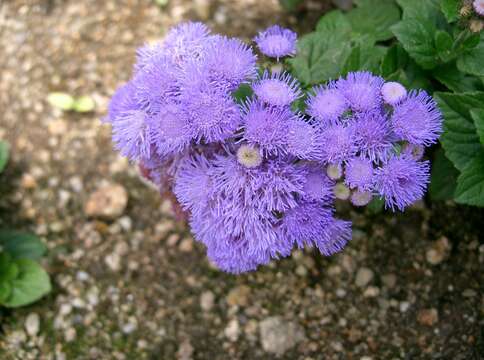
column 130, row 282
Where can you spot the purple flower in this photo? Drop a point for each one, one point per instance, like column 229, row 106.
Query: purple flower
column 393, row 92
column 276, row 42
column 266, row 127
column 338, row 143
column 122, row 100
column 277, row 89
column 362, row 90
column 171, row 131
column 327, row 104
column 361, row 198
column 359, row 174
column 132, row 135
column 312, row 224
column 479, row 6
column 229, row 62
column 186, row 41
column 193, row 183
column 402, row 181
column 303, row 140
column 417, row 119
column 212, row 113
column 272, row 186
column 373, row 136
column 155, row 84
column 317, row 186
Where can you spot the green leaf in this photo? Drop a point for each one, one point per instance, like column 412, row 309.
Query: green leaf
column 31, row 284
column 376, row 205
column 472, row 62
column 450, row 8
column 243, row 93
column 290, row 5
column 460, row 139
column 478, row 117
column 412, row 9
column 374, row 18
column 364, row 57
column 455, row 80
column 5, row 291
column 61, row 100
column 334, row 21
column 84, row 104
column 470, row 183
column 443, row 180
column 417, row 38
column 8, row 269
column 396, row 58
column 443, row 45
column 320, row 57
column 22, row 245
column 4, row 154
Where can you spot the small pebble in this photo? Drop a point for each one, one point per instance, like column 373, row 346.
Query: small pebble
column 32, row 324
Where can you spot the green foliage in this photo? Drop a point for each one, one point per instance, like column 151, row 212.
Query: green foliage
column 4, row 154
column 290, row 5
column 423, row 45
column 22, row 279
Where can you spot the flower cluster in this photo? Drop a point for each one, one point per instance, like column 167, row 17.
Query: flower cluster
column 259, row 176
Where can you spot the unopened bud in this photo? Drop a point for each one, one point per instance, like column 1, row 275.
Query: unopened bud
column 334, row 171
column 249, row 156
column 341, row 191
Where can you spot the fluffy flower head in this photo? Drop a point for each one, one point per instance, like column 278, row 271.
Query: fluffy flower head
column 402, row 181
column 276, row 42
column 479, row 6
column 277, row 89
column 327, row 103
column 338, row 143
column 417, row 119
column 362, row 90
column 359, row 173
column 266, row 127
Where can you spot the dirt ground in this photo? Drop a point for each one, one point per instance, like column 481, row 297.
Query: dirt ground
column 137, row 286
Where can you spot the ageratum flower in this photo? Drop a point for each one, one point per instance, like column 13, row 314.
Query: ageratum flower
column 359, row 174
column 373, row 135
column 186, row 41
column 171, row 130
column 122, row 100
column 402, row 181
column 479, row 6
column 155, row 84
column 303, row 139
column 212, row 113
column 417, row 119
column 193, row 183
column 317, row 185
column 276, row 42
column 266, row 127
column 277, row 89
column 327, row 104
column 132, row 134
column 338, row 143
column 312, row 224
column 229, row 62
column 362, row 90
column 276, row 182
column 237, row 221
